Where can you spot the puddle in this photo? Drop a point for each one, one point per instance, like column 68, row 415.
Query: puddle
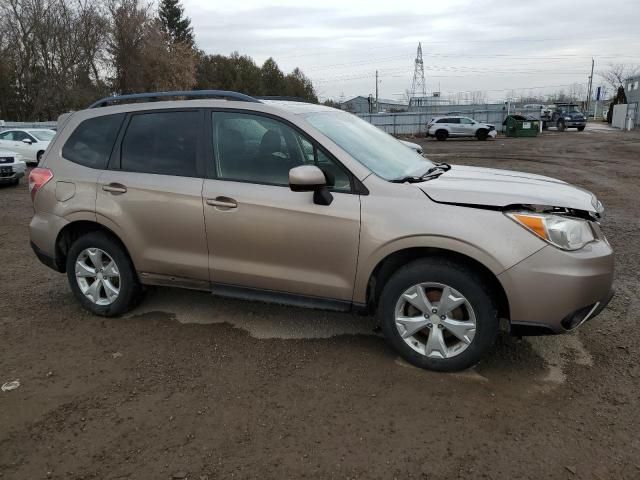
column 260, row 320
column 266, row 321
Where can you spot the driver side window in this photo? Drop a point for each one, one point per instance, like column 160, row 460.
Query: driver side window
column 20, row 136
column 259, row 149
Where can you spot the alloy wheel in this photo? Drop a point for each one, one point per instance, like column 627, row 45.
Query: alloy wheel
column 98, row 276
column 435, row 320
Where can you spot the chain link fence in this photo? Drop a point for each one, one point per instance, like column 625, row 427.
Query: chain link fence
column 415, row 123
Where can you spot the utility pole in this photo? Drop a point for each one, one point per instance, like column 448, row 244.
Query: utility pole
column 377, row 110
column 590, row 86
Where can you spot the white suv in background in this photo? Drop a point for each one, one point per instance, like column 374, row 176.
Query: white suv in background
column 12, row 168
column 30, row 143
column 455, row 126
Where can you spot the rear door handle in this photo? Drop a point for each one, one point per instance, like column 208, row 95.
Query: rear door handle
column 222, row 202
column 115, row 188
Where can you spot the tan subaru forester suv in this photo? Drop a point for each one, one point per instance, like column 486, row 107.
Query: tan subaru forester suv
column 302, row 204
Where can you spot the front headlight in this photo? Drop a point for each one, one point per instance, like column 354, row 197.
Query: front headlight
column 567, row 233
column 567, row 118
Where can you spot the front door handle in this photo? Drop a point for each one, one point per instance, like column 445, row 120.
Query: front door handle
column 115, row 188
column 222, row 202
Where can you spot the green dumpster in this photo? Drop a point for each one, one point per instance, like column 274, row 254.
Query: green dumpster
column 520, row 126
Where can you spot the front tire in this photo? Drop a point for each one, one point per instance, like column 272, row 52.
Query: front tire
column 442, row 135
column 580, row 129
column 101, row 275
column 482, row 134
column 39, row 157
column 561, row 127
column 432, row 333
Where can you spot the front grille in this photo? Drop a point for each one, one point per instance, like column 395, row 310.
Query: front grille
column 6, row 171
column 6, row 159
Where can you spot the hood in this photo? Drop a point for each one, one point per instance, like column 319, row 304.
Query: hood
column 500, row 188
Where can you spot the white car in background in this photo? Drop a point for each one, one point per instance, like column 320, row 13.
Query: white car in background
column 30, row 143
column 457, row 126
column 12, row 168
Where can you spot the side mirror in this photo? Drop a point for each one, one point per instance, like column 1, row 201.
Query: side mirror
column 27, row 141
column 309, row 178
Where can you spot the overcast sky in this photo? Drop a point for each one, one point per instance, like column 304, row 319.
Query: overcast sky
column 495, row 46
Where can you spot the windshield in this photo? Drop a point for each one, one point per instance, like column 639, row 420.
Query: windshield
column 570, row 109
column 378, row 151
column 43, row 135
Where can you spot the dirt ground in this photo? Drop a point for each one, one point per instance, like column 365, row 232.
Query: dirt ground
column 192, row 386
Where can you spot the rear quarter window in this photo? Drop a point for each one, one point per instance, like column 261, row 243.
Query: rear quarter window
column 91, row 142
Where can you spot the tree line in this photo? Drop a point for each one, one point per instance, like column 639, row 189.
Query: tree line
column 60, row 55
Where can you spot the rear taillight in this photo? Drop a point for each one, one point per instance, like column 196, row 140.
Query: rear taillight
column 38, row 179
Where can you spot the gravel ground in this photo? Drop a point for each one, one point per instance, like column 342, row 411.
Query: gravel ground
column 191, row 386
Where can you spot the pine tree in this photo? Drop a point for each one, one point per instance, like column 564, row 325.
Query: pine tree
column 178, row 26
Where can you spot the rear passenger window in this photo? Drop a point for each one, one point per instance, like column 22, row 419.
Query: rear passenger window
column 164, row 143
column 91, row 142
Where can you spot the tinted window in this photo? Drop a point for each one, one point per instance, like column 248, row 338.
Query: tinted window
column 443, row 120
column 453, row 120
column 91, row 142
column 164, row 143
column 19, row 136
column 258, row 149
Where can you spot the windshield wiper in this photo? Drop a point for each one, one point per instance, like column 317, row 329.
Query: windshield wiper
column 433, row 172
column 438, row 167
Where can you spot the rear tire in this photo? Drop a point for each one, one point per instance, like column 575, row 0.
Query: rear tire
column 80, row 264
column 482, row 134
column 442, row 135
column 464, row 284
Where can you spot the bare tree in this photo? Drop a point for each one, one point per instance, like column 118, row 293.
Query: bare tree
column 166, row 64
column 617, row 73
column 128, row 21
column 51, row 47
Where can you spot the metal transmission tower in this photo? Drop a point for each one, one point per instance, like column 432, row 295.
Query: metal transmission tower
column 419, row 87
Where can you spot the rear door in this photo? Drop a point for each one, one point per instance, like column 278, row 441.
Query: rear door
column 455, row 127
column 151, row 196
column 261, row 234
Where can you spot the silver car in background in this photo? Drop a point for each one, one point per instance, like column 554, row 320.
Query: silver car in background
column 453, row 126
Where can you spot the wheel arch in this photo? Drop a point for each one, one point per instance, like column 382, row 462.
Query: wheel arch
column 74, row 230
column 387, row 266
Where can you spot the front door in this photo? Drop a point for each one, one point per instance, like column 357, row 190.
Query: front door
column 13, row 140
column 261, row 234
column 151, row 196
column 467, row 126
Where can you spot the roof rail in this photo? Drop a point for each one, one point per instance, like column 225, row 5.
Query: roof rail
column 282, row 97
column 132, row 97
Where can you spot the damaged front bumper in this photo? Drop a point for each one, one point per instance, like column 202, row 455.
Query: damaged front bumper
column 555, row 291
